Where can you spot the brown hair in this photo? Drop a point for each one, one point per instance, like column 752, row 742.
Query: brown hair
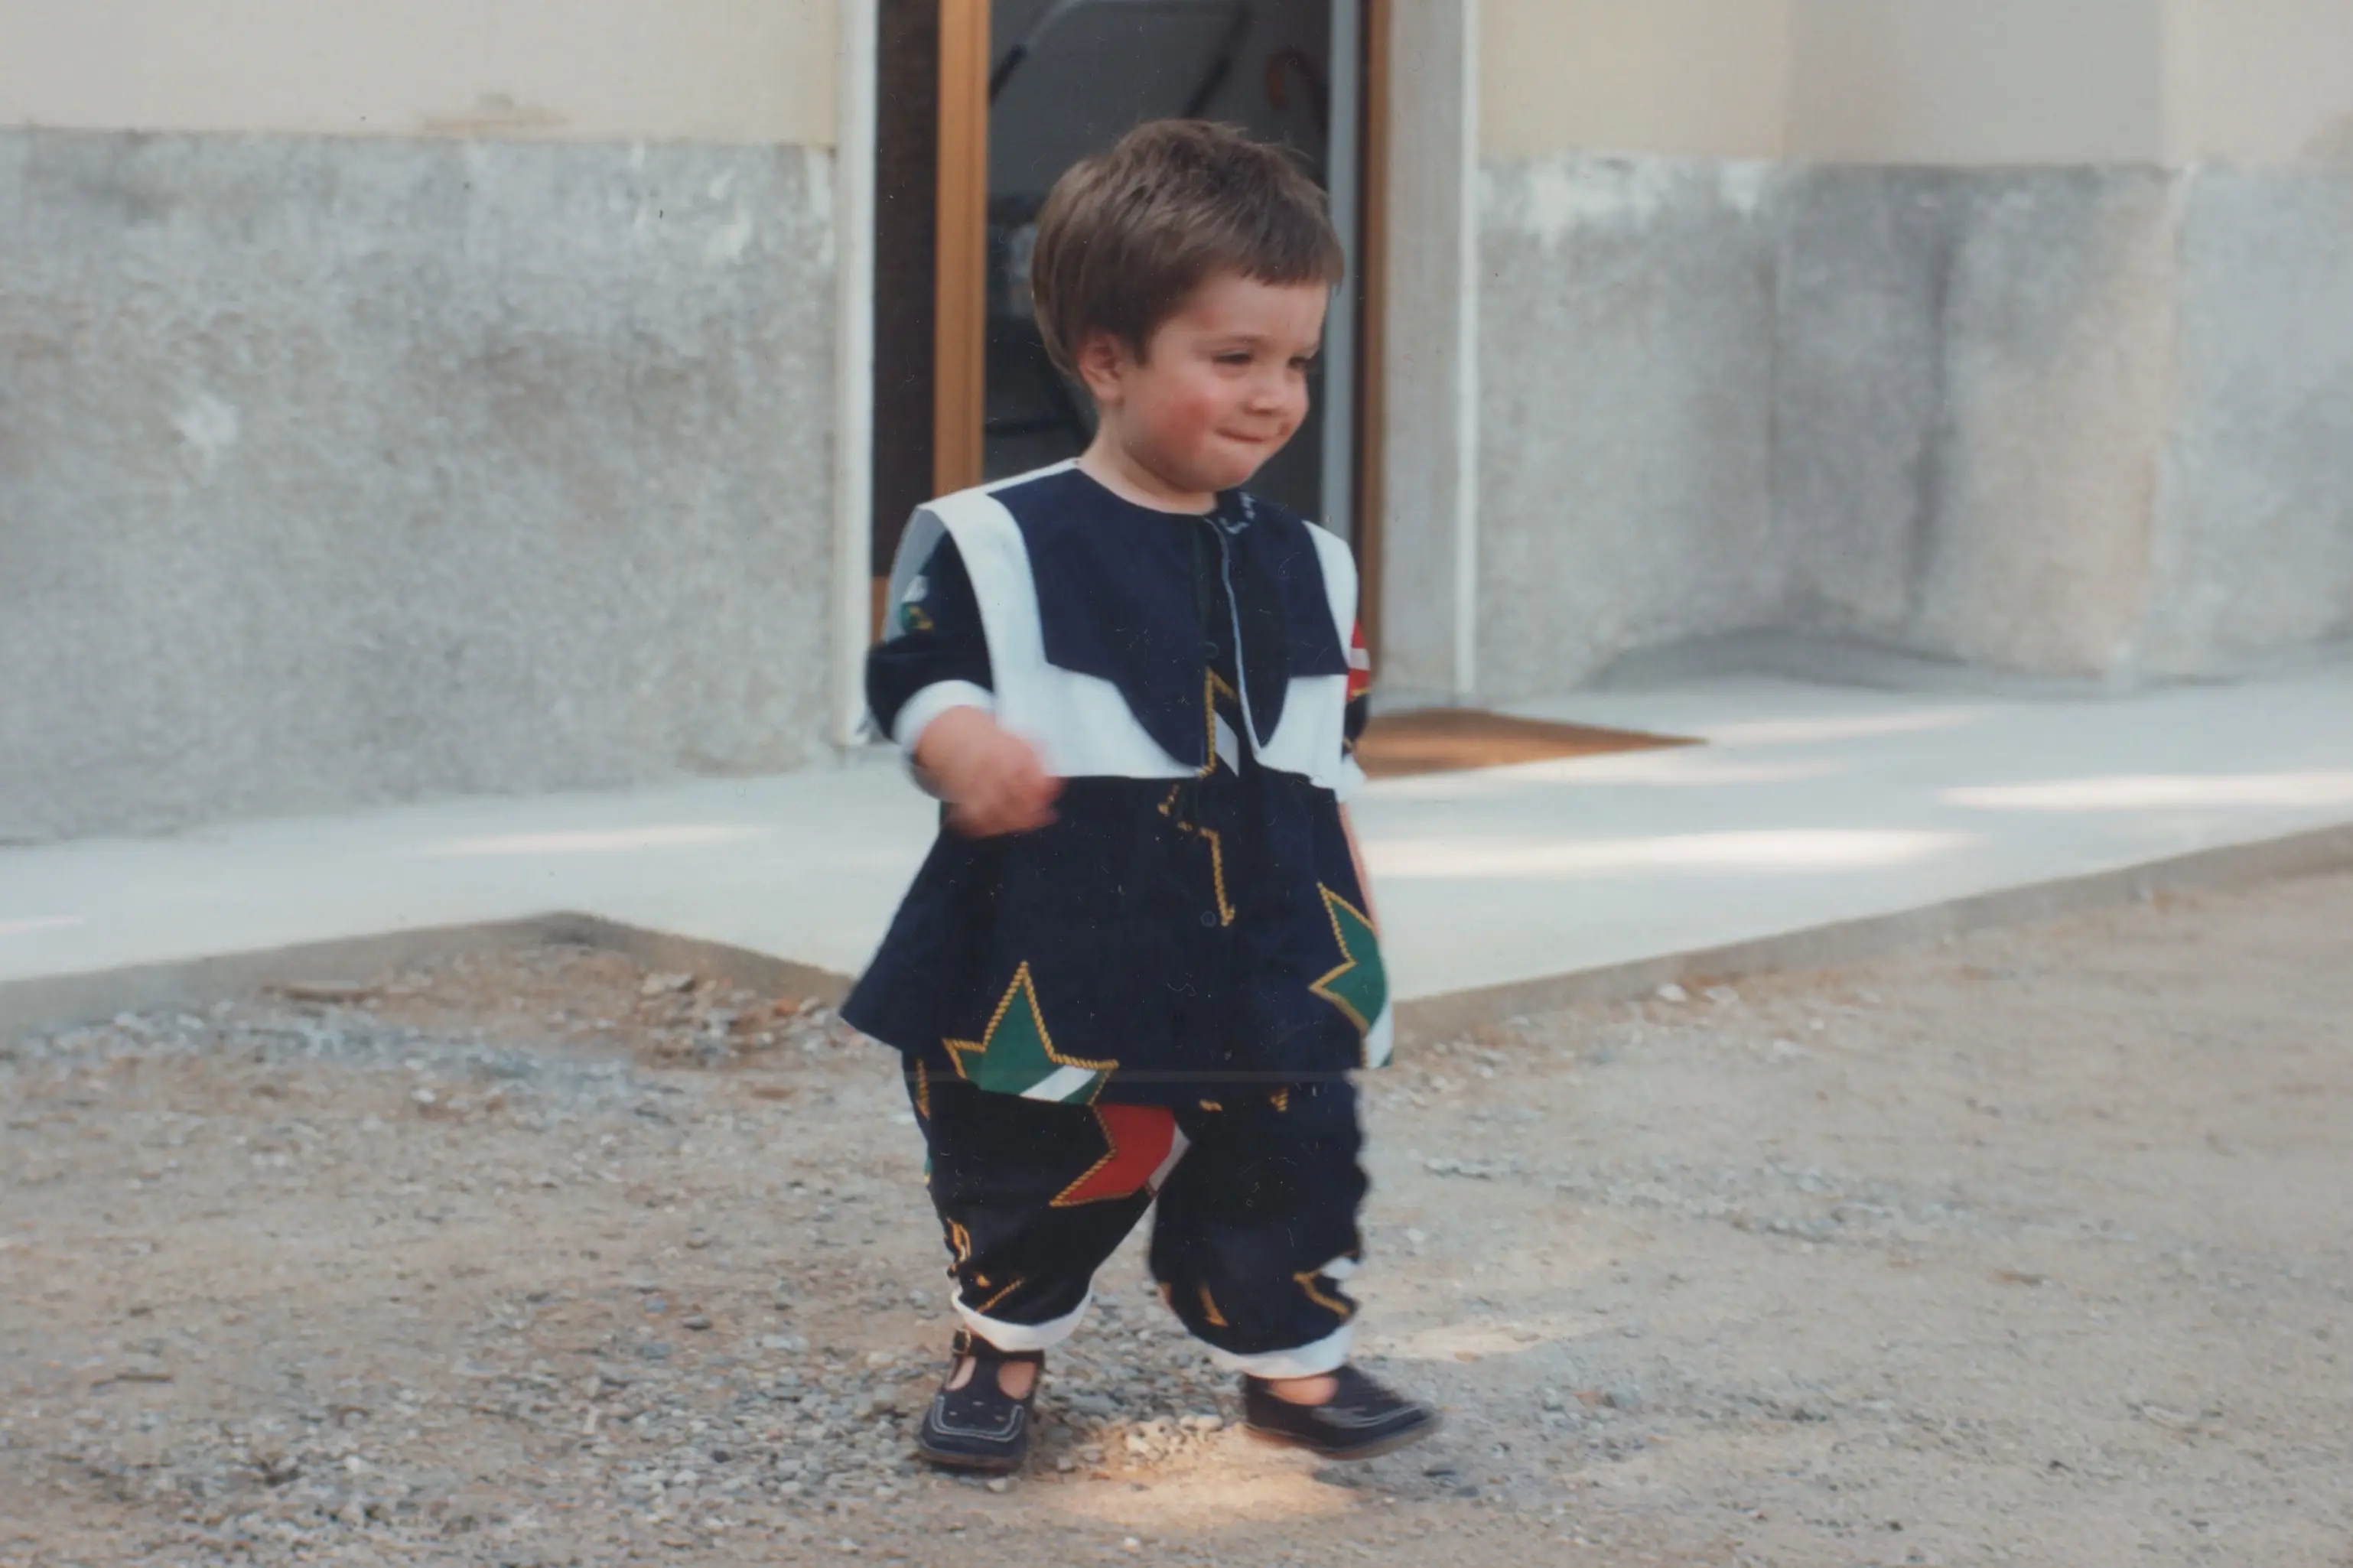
column 1126, row 234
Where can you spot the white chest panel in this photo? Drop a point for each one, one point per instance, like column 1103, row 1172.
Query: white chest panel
column 1081, row 724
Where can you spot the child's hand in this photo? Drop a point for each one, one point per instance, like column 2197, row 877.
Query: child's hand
column 991, row 779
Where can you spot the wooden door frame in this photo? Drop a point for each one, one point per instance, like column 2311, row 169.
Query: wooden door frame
column 925, row 216
column 960, row 343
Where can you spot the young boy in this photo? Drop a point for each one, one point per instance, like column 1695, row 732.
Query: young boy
column 1140, row 962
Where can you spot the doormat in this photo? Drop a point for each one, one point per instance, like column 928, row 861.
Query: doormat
column 1450, row 739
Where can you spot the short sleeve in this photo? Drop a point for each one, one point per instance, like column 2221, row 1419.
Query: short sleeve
column 936, row 654
column 1360, row 684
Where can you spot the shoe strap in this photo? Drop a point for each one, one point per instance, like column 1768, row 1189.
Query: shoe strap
column 968, row 1343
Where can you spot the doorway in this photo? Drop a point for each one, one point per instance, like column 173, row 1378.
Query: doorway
column 983, row 103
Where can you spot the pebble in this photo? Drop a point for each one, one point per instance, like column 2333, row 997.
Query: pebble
column 2171, row 1420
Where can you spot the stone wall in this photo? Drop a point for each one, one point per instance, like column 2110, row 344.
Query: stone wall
column 1626, row 417
column 335, row 472
column 2086, row 422
column 2254, row 545
column 1973, row 379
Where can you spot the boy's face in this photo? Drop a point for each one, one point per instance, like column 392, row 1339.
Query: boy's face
column 1223, row 386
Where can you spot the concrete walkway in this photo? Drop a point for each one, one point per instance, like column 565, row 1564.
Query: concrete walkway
column 1810, row 807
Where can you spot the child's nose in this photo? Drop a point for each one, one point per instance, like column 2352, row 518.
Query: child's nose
column 1278, row 393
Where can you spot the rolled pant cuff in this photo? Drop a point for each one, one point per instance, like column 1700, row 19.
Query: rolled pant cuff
column 1327, row 1354
column 1007, row 1336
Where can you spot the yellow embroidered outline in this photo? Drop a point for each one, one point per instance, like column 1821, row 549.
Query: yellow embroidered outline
column 993, row 1301
column 1217, row 868
column 1022, row 986
column 1307, row 1283
column 1210, row 1314
column 1349, row 960
column 922, row 1090
column 1281, row 1099
column 1217, row 855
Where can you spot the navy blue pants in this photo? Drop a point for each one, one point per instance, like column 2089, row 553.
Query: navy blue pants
column 1256, row 1227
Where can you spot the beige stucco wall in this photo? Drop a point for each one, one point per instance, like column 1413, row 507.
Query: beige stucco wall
column 714, row 70
column 1980, row 82
column 1917, row 81
column 1702, row 78
column 2260, row 81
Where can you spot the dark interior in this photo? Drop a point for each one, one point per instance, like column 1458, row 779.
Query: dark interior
column 906, row 216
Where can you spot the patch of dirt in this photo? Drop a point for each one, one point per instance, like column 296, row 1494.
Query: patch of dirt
column 2029, row 1248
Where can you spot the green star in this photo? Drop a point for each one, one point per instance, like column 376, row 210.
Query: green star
column 1360, row 985
column 1015, row 1055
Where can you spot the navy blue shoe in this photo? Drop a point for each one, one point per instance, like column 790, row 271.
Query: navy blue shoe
column 1361, row 1420
column 980, row 1427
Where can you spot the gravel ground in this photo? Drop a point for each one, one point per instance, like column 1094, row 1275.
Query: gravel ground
column 2031, row 1248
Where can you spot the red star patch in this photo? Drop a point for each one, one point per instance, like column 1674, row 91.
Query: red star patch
column 1137, row 1142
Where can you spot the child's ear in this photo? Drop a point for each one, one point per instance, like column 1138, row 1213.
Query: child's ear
column 1099, row 359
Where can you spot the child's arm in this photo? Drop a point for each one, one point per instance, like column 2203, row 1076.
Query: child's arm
column 929, row 685
column 989, row 776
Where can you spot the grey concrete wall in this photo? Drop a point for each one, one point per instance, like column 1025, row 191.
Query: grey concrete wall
column 2089, row 422
column 1626, row 416
column 2254, row 549
column 1973, row 378
column 335, row 472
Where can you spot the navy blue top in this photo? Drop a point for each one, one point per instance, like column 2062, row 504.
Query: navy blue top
column 1161, row 941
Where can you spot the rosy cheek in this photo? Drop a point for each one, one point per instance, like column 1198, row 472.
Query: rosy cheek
column 1204, row 407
